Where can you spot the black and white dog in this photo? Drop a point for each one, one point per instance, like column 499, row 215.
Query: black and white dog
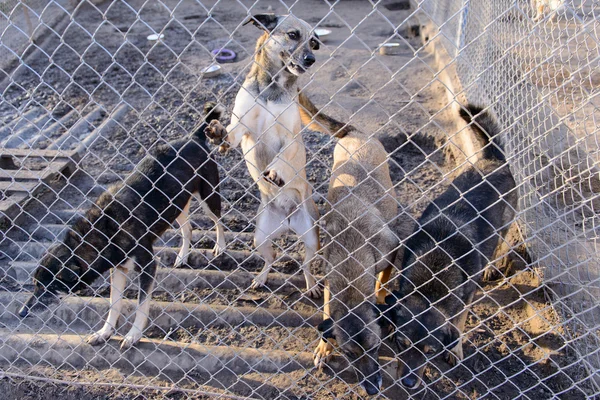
column 119, row 230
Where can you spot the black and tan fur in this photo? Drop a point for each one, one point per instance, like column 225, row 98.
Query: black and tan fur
column 455, row 239
column 360, row 245
column 118, row 231
column 266, row 123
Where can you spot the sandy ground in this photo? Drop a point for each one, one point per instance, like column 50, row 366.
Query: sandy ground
column 512, row 347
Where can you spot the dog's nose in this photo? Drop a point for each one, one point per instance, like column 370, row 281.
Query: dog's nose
column 370, row 388
column 309, row 59
column 411, row 381
column 372, row 385
column 23, row 311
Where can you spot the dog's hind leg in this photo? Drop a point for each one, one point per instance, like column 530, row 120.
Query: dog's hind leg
column 186, row 235
column 212, row 208
column 118, row 281
column 387, row 244
column 456, row 354
column 268, row 227
column 303, row 223
column 322, row 353
column 146, row 264
column 380, row 290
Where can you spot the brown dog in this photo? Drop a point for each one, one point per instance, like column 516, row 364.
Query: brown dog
column 359, row 246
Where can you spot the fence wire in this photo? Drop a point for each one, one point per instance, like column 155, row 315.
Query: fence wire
column 102, row 95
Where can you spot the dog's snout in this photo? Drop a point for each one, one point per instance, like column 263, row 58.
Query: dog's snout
column 370, row 388
column 372, row 384
column 411, row 381
column 309, row 59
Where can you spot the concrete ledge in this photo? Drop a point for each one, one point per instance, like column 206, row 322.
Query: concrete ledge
column 198, row 258
column 153, row 357
column 174, row 280
column 87, row 314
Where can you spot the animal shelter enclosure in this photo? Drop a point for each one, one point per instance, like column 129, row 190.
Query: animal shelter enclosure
column 90, row 88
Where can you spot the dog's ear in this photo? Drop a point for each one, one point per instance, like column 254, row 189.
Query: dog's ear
column 266, row 22
column 392, row 298
column 326, row 328
column 315, row 42
column 213, row 110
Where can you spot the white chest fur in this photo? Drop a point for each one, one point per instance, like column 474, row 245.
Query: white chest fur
column 269, row 134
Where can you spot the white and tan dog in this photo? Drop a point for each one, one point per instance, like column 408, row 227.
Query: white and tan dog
column 266, row 123
column 543, row 8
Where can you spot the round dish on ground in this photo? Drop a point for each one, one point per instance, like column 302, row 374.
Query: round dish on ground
column 322, row 32
column 212, row 70
column 387, row 49
column 155, row 37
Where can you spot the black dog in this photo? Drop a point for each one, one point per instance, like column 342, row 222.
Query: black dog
column 454, row 240
column 119, row 230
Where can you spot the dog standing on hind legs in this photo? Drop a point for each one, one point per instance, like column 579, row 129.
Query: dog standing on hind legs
column 266, row 123
column 117, row 233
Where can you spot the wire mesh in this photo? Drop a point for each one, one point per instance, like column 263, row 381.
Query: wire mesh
column 95, row 92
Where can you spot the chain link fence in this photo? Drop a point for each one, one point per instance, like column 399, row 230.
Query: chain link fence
column 90, row 88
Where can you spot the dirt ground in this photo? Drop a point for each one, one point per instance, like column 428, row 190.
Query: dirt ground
column 514, row 345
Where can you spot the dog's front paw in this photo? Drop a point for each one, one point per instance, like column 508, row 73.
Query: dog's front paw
column 259, row 281
column 456, row 355
column 224, row 148
column 218, row 250
column 451, row 358
column 489, row 274
column 322, row 353
column 130, row 340
column 314, row 291
column 215, row 132
column 273, row 177
column 181, row 260
column 99, row 337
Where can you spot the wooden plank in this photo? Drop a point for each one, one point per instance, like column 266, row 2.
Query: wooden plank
column 25, row 174
column 47, row 154
column 17, row 187
column 9, row 205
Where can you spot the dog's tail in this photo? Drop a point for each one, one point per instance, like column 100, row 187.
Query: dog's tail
column 317, row 121
column 486, row 127
column 212, row 111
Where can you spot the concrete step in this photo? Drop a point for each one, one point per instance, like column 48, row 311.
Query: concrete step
column 198, row 259
column 87, row 314
column 176, row 280
column 172, row 237
column 153, row 357
column 199, row 221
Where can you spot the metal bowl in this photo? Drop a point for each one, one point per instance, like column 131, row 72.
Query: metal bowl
column 210, row 71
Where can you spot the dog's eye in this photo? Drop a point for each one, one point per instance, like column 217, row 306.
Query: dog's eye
column 428, row 350
column 293, row 35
